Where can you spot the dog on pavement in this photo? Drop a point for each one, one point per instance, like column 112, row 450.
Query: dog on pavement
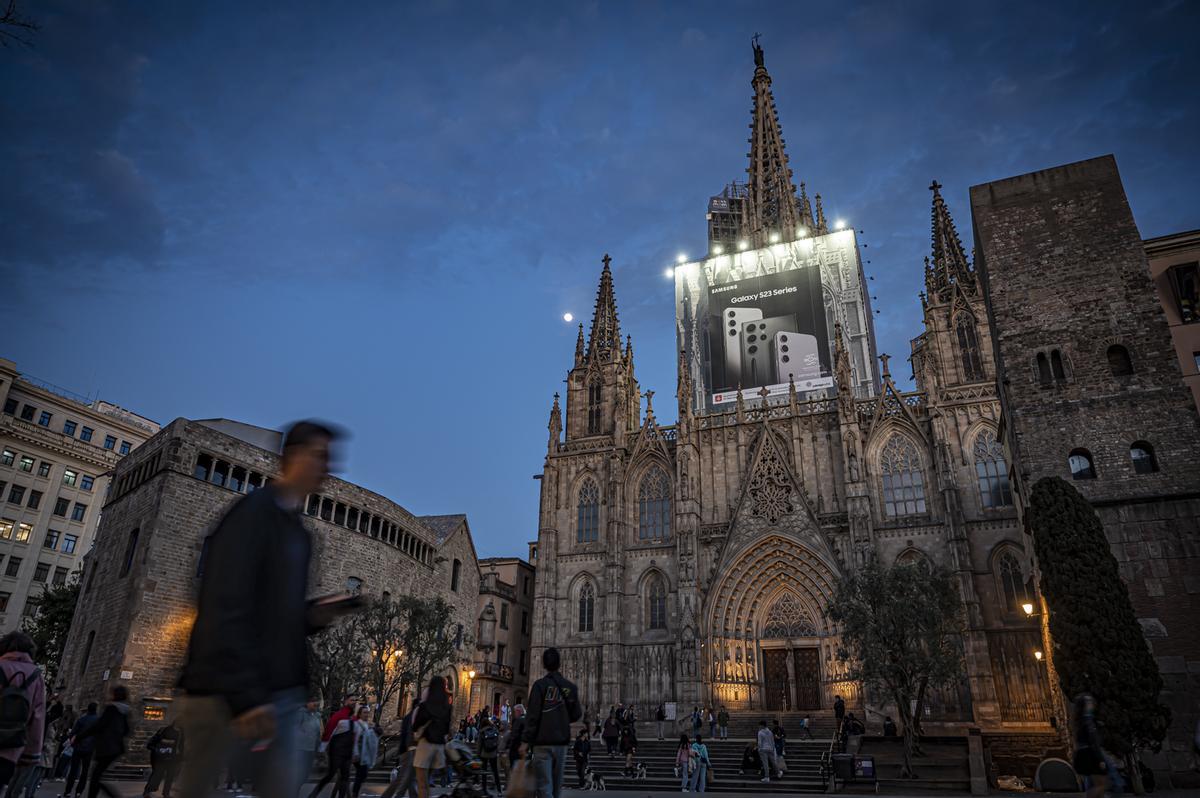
column 639, row 772
column 593, row 781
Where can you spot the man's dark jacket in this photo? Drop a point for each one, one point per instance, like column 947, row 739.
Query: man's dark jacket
column 84, row 744
column 248, row 641
column 553, row 706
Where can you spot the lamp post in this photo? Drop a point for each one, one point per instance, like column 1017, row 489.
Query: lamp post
column 486, row 641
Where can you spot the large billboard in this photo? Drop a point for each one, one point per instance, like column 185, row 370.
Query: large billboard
column 764, row 318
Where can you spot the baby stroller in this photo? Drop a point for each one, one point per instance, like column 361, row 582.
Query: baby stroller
column 467, row 767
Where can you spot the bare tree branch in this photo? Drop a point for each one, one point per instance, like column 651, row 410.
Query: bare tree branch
column 15, row 28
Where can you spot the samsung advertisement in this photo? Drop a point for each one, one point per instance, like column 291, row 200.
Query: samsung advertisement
column 763, row 318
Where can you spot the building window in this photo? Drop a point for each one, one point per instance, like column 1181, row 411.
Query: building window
column 913, row 558
column 595, row 407
column 4, row 597
column 354, row 585
column 110, row 441
column 1043, row 369
column 78, row 512
column 13, row 567
column 587, row 608
column 35, row 499
column 31, row 606
column 503, row 615
column 220, row 473
column 1056, row 365
column 27, row 412
column 525, row 586
column 16, row 494
column 43, row 469
column 10, row 407
column 1080, row 462
column 85, row 434
column 501, row 649
column 656, row 605
column 1119, row 362
column 69, row 428
column 60, row 575
column 69, row 477
column 903, row 483
column 523, row 662
column 455, row 575
column 130, row 551
column 6, row 530
column 61, row 506
column 7, row 457
column 24, row 532
column 1012, row 581
column 86, row 482
column 26, row 464
column 125, row 447
column 87, row 651
column 654, row 506
column 41, row 572
column 968, row 347
column 51, row 541
column 588, row 519
column 1185, row 280
column 1142, row 455
column 203, row 467
column 991, row 471
column 44, row 418
column 524, row 622
column 69, row 542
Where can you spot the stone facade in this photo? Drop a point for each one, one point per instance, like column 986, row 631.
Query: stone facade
column 137, row 604
column 57, row 453
column 502, row 664
column 1175, row 268
column 1092, row 390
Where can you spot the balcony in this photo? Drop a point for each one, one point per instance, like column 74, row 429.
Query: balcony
column 493, row 670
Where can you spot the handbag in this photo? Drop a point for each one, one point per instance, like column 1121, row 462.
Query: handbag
column 522, row 782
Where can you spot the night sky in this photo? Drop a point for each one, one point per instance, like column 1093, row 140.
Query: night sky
column 377, row 213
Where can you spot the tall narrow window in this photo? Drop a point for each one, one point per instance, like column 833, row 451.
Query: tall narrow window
column 1081, row 465
column 588, row 522
column 1012, row 581
column 968, row 348
column 903, row 482
column 654, row 505
column 1142, row 455
column 203, row 467
column 455, row 575
column 130, row 551
column 656, row 609
column 87, row 651
column 595, row 405
column 587, row 608
column 1043, row 368
column 992, row 471
column 1056, row 365
column 1119, row 362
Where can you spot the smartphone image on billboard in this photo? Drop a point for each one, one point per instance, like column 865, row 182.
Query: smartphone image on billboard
column 757, row 366
column 733, row 319
column 795, row 357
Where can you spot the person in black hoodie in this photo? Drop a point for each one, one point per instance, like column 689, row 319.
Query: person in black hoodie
column 81, row 752
column 110, row 733
column 431, row 726
column 166, row 754
column 553, row 707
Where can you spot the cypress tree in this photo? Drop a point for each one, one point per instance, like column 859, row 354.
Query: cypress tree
column 1098, row 644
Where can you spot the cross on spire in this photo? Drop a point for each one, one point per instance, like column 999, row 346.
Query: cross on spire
column 950, row 264
column 606, row 260
column 884, row 358
column 605, row 335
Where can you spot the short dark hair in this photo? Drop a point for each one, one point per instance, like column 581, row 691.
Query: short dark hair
column 92, row 707
column 762, row 723
column 551, row 659
column 305, row 432
column 20, row 642
column 120, row 693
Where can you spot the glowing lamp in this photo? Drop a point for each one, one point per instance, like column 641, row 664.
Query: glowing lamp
column 681, row 258
column 1037, row 655
column 471, row 674
column 840, row 225
column 1027, row 608
column 717, row 249
column 774, row 238
column 668, row 273
column 801, row 231
column 743, row 245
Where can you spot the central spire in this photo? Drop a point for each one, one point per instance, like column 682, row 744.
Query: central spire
column 771, row 202
column 605, row 339
column 950, row 265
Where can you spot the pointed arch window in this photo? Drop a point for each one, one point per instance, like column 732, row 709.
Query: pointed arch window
column 587, row 608
column 787, row 618
column 595, row 404
column 903, row 481
column 1012, row 581
column 968, row 348
column 587, row 528
column 1119, row 362
column 914, row 558
column 654, row 505
column 656, row 605
column 992, row 471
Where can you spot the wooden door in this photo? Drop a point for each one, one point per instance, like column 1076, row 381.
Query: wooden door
column 775, row 680
column 808, row 678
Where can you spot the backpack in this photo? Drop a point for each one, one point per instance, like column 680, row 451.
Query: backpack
column 491, row 740
column 15, row 709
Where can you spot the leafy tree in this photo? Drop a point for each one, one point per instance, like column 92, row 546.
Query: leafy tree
column 1098, row 645
column 901, row 629
column 336, row 660
column 49, row 625
column 431, row 638
column 382, row 630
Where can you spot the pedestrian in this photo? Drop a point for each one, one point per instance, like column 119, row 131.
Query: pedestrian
column 488, row 749
column 723, row 722
column 610, row 733
column 1089, row 760
column 553, row 707
column 23, row 711
column 65, row 724
column 338, row 743
column 505, row 713
column 582, row 750
column 166, row 756
column 246, row 668
column 660, row 717
column 839, row 712
column 889, row 727
column 366, row 748
column 403, row 780
column 698, row 783
column 82, row 748
column 308, row 738
column 780, row 739
column 696, row 721
column 109, row 732
column 629, row 746
column 750, row 759
column 431, row 727
column 684, row 762
column 712, row 722
column 512, row 748
column 766, row 751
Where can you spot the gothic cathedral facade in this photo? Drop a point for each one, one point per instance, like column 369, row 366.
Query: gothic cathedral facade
column 693, row 563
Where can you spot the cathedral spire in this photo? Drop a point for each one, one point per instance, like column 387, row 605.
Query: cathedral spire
column 771, row 206
column 555, row 425
column 579, row 346
column 950, row 265
column 822, row 225
column 605, row 338
column 806, row 211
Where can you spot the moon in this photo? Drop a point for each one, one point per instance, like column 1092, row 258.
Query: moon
column 568, row 317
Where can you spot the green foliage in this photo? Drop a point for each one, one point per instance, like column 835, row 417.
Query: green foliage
column 1098, row 644
column 432, row 640
column 50, row 624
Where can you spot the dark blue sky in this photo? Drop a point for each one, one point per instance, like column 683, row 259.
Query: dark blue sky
column 378, row 212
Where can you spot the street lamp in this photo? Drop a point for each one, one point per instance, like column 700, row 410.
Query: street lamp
column 1037, row 654
column 470, row 674
column 1027, row 608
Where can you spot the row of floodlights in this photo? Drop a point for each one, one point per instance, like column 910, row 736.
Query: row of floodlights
column 801, row 232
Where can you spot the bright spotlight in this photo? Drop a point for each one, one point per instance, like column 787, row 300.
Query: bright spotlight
column 668, row 273
column 1037, row 655
column 801, row 231
column 568, row 317
column 743, row 245
column 681, row 258
column 718, row 249
column 774, row 238
column 1027, row 608
column 840, row 225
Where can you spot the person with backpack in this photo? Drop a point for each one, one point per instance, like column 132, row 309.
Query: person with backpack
column 338, row 739
column 166, row 756
column 700, row 774
column 629, row 746
column 22, row 705
column 366, row 748
column 431, row 727
column 109, row 733
column 610, row 733
column 685, row 761
column 582, row 751
column 553, row 707
column 81, row 749
column 488, row 747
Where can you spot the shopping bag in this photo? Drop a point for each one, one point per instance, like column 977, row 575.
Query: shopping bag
column 781, row 763
column 522, row 782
